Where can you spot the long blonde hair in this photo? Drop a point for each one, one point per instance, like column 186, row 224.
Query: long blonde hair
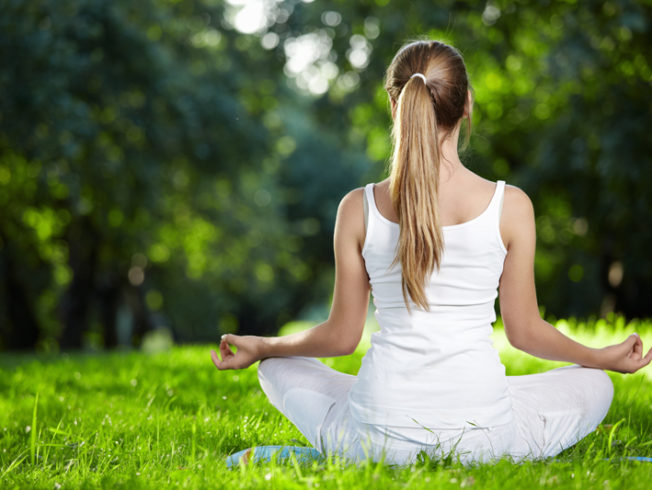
column 425, row 110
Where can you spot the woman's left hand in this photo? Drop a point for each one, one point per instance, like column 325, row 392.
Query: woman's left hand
column 626, row 357
column 249, row 351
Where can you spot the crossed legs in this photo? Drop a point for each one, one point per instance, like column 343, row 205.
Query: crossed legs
column 552, row 410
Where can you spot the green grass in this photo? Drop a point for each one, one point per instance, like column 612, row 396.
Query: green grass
column 131, row 420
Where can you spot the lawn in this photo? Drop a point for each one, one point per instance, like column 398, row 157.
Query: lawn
column 134, row 419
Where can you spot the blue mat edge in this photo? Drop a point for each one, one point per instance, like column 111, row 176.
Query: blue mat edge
column 266, row 453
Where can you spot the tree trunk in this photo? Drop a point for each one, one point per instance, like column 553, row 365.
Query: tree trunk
column 82, row 243
column 141, row 316
column 108, row 296
column 23, row 325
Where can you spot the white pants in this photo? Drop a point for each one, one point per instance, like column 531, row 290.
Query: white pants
column 551, row 412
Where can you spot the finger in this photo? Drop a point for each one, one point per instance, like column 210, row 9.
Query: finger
column 648, row 357
column 629, row 345
column 638, row 346
column 640, row 362
column 225, row 363
column 228, row 363
column 215, row 359
column 632, row 340
column 225, row 350
column 231, row 339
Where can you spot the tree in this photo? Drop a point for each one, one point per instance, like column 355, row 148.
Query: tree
column 561, row 110
column 161, row 163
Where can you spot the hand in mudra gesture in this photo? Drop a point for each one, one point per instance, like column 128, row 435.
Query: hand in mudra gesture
column 626, row 357
column 248, row 352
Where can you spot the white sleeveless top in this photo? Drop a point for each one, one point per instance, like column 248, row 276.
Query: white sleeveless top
column 436, row 369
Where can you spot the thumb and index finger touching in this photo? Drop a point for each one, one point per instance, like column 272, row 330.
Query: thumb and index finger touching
column 230, row 339
column 646, row 359
column 227, row 355
column 225, row 362
column 635, row 346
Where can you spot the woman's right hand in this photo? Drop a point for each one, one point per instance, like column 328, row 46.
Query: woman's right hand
column 626, row 357
column 249, row 351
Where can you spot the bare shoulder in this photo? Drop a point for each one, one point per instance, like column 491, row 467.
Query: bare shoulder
column 516, row 203
column 351, row 205
column 350, row 214
column 518, row 215
column 352, row 199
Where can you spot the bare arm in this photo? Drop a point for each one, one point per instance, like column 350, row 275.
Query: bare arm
column 340, row 334
column 525, row 328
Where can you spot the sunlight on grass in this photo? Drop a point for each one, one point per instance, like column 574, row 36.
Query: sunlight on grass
column 133, row 420
column 598, row 333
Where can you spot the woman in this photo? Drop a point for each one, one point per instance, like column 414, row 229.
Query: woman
column 434, row 242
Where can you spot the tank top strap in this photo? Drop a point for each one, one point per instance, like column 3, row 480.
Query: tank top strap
column 365, row 206
column 496, row 205
column 372, row 209
column 368, row 210
column 369, row 193
column 495, row 211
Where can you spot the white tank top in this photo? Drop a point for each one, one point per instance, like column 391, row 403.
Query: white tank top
column 436, row 369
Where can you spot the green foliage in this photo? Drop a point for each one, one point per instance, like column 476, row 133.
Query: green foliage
column 561, row 110
column 140, row 168
column 161, row 167
column 135, row 420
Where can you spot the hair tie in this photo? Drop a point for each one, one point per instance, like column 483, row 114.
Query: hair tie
column 422, row 76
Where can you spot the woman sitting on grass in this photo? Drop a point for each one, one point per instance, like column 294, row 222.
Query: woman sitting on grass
column 434, row 242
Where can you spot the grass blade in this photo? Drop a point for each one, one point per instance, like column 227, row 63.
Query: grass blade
column 32, row 438
column 19, row 459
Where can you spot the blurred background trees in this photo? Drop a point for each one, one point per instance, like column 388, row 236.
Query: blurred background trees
column 178, row 164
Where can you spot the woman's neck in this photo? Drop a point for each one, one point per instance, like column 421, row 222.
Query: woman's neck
column 450, row 161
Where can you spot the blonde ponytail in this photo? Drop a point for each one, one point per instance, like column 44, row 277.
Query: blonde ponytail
column 413, row 189
column 427, row 81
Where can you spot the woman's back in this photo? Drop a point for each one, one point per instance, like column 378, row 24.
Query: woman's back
column 437, row 368
column 462, row 194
